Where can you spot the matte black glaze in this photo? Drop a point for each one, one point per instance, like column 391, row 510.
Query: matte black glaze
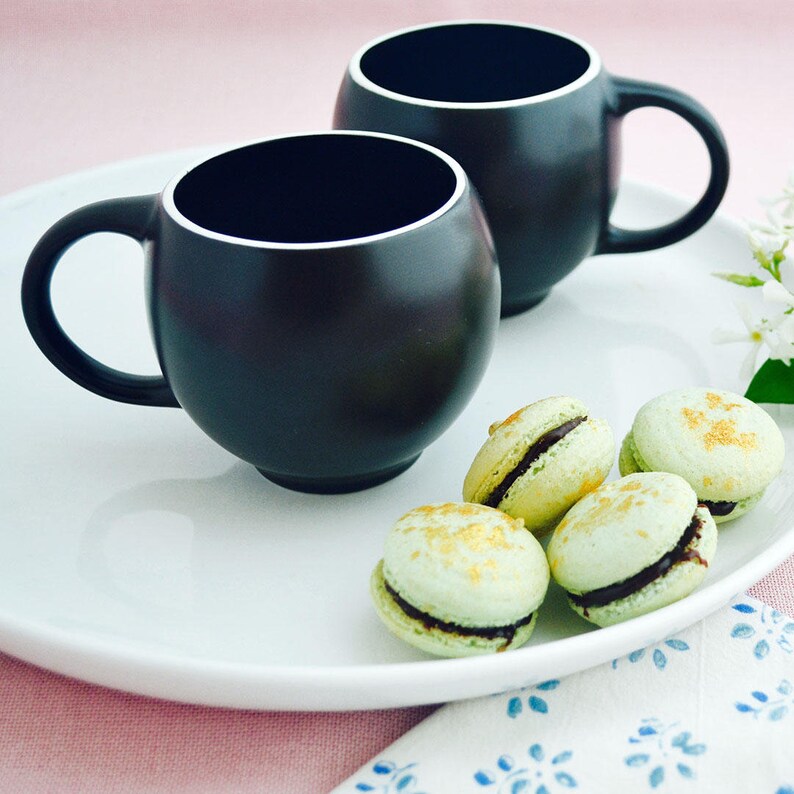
column 328, row 366
column 544, row 158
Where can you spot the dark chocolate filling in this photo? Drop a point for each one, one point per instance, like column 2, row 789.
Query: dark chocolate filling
column 719, row 508
column 613, row 592
column 429, row 622
column 543, row 444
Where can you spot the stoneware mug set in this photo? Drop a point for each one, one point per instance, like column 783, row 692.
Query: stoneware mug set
column 324, row 305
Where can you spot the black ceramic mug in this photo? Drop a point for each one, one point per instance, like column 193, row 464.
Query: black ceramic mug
column 322, row 305
column 534, row 119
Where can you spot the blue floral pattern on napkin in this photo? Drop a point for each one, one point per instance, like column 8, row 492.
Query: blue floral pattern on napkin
column 774, row 706
column 768, row 628
column 662, row 753
column 389, row 778
column 658, row 656
column 536, row 701
column 542, row 774
column 681, row 715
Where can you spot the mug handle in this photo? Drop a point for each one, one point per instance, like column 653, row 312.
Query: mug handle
column 128, row 216
column 633, row 94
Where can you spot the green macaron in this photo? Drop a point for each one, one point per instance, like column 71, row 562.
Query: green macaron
column 632, row 546
column 541, row 460
column 459, row 580
column 725, row 446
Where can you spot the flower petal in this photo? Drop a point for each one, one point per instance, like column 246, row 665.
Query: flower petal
column 748, row 365
column 787, row 273
column 786, row 330
column 774, row 292
column 720, row 336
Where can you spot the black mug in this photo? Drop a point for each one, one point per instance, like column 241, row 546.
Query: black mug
column 322, row 305
column 534, row 119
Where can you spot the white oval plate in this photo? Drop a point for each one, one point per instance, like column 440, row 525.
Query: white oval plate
column 136, row 554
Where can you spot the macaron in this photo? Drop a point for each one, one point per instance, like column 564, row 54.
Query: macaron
column 541, row 460
column 460, row 580
column 725, row 446
column 632, row 546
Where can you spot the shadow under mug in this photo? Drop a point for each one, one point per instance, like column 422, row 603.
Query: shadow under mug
column 322, row 305
column 533, row 117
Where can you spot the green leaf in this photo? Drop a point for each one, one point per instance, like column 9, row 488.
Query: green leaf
column 740, row 279
column 773, row 383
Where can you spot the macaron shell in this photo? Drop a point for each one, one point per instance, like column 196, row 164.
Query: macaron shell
column 510, row 440
column 630, row 462
column 620, row 529
column 433, row 640
column 676, row 584
column 572, row 468
column 466, row 564
column 727, row 447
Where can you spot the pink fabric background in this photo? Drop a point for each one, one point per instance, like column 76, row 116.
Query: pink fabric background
column 85, row 82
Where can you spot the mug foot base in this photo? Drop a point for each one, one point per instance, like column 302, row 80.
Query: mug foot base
column 331, row 485
column 522, row 306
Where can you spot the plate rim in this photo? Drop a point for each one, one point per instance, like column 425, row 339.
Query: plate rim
column 115, row 665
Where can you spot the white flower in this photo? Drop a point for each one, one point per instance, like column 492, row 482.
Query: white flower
column 781, row 341
column 767, row 238
column 787, row 273
column 786, row 330
column 774, row 292
column 754, row 335
column 771, row 244
column 778, row 333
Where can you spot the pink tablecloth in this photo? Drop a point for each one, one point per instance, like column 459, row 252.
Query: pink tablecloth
column 85, row 82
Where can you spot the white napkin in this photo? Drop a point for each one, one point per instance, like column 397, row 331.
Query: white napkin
column 710, row 709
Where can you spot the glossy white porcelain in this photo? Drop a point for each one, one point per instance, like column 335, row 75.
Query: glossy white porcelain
column 137, row 554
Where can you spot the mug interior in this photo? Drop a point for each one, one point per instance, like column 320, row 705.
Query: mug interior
column 318, row 188
column 474, row 62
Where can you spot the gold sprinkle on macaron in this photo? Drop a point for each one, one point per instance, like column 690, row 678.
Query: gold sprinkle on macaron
column 693, row 418
column 723, row 433
column 475, row 572
column 626, row 504
column 716, row 401
column 476, row 537
column 479, row 538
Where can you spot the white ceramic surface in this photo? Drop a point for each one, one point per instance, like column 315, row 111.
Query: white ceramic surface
column 136, row 554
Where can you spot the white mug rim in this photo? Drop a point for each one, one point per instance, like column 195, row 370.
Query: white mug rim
column 357, row 74
column 170, row 208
